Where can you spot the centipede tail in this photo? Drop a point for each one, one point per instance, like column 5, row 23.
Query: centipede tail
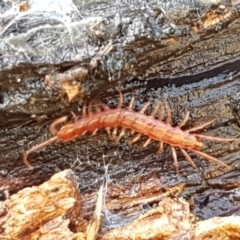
column 185, row 154
column 215, row 138
column 204, row 155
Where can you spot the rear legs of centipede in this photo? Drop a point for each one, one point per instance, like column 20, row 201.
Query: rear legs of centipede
column 160, row 108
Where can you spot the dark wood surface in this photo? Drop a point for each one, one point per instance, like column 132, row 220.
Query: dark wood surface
column 189, row 55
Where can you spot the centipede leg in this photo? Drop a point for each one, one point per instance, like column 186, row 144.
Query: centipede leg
column 120, row 103
column 160, row 149
column 114, row 132
column 161, row 115
column 188, row 158
column 208, row 157
column 155, row 110
column 130, row 106
column 146, row 106
column 108, row 129
column 98, row 108
column 146, row 143
column 94, row 132
column 84, row 111
column 169, row 115
column 136, row 138
column 174, row 154
column 74, row 116
column 184, row 121
column 121, row 134
column 90, row 113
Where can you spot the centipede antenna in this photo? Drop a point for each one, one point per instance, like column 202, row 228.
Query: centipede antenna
column 215, row 138
column 53, row 125
column 35, row 148
column 146, row 106
column 146, row 143
column 208, row 157
column 201, row 126
column 175, row 161
column 74, row 116
column 188, row 158
column 184, row 121
column 130, row 106
column 120, row 103
column 135, row 138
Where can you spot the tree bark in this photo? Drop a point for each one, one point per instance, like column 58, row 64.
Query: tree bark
column 55, row 60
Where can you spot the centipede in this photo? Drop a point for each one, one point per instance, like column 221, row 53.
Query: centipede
column 156, row 126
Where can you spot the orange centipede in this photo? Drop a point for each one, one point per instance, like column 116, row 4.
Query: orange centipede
column 126, row 118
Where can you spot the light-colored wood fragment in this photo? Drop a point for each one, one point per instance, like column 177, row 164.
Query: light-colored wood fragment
column 171, row 219
column 42, row 212
column 226, row 228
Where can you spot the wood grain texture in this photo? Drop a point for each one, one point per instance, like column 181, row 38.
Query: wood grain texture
column 187, row 55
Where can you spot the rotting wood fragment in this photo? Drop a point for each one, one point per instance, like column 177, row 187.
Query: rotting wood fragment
column 43, row 212
column 46, row 212
column 172, row 219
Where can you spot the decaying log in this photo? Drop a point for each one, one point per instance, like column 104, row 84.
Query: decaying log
column 53, row 211
column 45, row 211
column 58, row 57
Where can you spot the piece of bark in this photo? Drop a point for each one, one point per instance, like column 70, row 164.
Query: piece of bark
column 170, row 220
column 54, row 210
column 45, row 211
column 218, row 228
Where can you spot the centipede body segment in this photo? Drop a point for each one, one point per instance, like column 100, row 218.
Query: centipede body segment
column 137, row 122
